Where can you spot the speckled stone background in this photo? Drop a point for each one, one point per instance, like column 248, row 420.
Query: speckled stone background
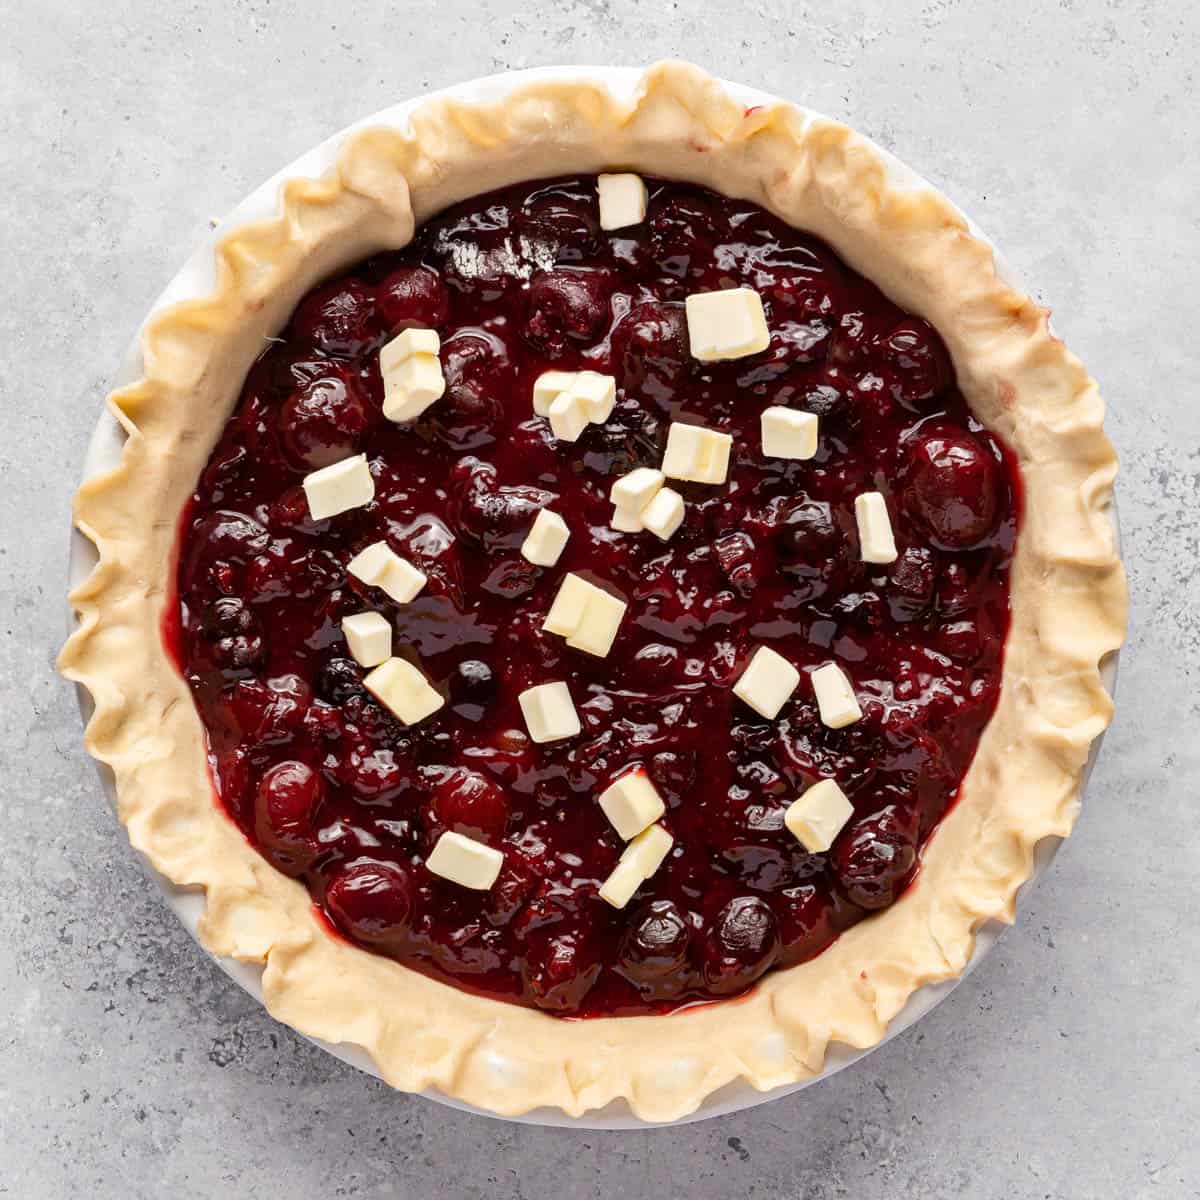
column 1065, row 1067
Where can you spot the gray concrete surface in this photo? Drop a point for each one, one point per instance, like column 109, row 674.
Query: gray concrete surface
column 1066, row 1067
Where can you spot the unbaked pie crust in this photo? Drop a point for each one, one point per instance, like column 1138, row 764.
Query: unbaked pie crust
column 1067, row 593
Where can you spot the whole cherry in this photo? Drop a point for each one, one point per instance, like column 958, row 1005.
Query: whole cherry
column 952, row 486
column 874, row 857
column 370, row 901
column 324, row 420
column 564, row 306
column 287, row 796
column 413, row 297
column 741, row 945
column 338, row 317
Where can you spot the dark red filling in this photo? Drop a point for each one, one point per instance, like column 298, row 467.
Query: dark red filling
column 332, row 789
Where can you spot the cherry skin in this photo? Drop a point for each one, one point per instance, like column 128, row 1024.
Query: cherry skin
column 371, row 901
column 805, row 922
column 338, row 318
column 235, row 632
column 564, row 306
column 874, row 857
column 413, row 297
column 852, row 340
column 472, row 688
column 288, row 794
column 323, row 421
column 229, row 536
column 953, row 485
column 918, row 366
column 656, row 942
column 228, row 616
column 564, row 225
column 340, row 679
column 913, row 577
column 741, row 945
column 494, row 515
column 477, row 369
column 376, row 776
column 651, row 342
column 469, row 803
column 558, row 973
column 683, row 231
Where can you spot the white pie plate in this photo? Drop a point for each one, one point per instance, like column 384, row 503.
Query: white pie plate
column 195, row 279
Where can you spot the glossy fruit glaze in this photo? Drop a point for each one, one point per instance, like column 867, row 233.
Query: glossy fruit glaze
column 332, row 789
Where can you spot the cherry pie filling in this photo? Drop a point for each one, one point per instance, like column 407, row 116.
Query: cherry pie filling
column 334, row 790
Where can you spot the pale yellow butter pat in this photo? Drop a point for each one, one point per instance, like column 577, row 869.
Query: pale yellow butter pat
column 412, row 374
column 622, row 200
column 369, row 637
column 549, row 712
column 876, row 541
column 568, row 416
column 636, row 489
column 817, row 817
column 339, row 487
column 632, row 803
column 767, row 683
column 696, row 454
column 546, row 539
column 835, row 697
column 664, row 514
column 788, row 433
column 465, row 861
column 726, row 324
column 587, row 616
column 640, row 859
column 403, row 691
column 378, row 565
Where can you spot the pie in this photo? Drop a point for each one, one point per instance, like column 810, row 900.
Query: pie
column 605, row 598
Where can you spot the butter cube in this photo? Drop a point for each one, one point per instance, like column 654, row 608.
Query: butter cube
column 414, row 385
column 876, row 541
column 407, row 343
column 664, row 514
column 369, row 636
column 767, row 682
column 587, row 616
column 636, row 489
column 632, row 803
column 788, row 433
column 598, row 394
column 568, row 416
column 696, row 454
column 547, row 386
column 641, row 858
column 569, row 604
column 403, row 690
column 572, row 399
column 378, row 565
column 602, row 618
column 624, row 879
column 836, row 701
column 546, row 540
column 465, row 861
column 412, row 374
column 625, row 520
column 726, row 324
column 549, row 712
column 818, row 816
column 372, row 563
column 341, row 486
column 622, row 200
column 648, row 849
